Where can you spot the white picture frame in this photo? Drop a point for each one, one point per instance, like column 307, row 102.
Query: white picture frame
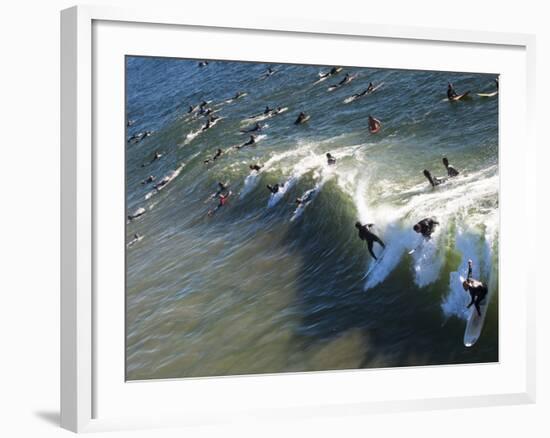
column 83, row 370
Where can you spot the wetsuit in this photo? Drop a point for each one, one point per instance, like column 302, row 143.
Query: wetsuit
column 331, row 159
column 478, row 291
column 426, row 226
column 273, row 188
column 451, row 93
column 451, row 171
column 434, row 181
column 255, row 167
column 370, row 237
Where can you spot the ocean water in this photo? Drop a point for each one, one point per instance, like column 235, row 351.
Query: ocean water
column 264, row 287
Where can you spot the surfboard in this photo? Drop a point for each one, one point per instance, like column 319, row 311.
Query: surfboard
column 475, row 324
column 494, row 93
column 460, row 96
column 301, row 122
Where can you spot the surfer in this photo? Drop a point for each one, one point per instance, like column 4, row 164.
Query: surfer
column 203, row 63
column 274, row 188
column 478, row 290
column 130, row 122
column 268, row 73
column 434, row 180
column 156, row 157
column 374, row 125
column 148, row 180
column 251, row 141
column 255, row 167
column 210, row 122
column 302, row 118
column 222, row 201
column 256, row 128
column 218, row 154
column 345, row 80
column 239, row 95
column 137, row 237
column 366, row 234
column 426, row 227
column 330, row 159
column 451, row 171
column 451, row 93
column 139, row 212
column 267, row 110
column 308, row 196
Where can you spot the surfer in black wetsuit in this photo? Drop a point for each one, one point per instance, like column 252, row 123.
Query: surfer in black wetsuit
column 426, row 227
column 218, row 153
column 451, row 93
column 434, row 180
column 366, row 234
column 251, row 141
column 302, row 118
column 148, row 180
column 451, row 171
column 257, row 128
column 478, row 290
column 255, row 167
column 330, row 159
column 274, row 188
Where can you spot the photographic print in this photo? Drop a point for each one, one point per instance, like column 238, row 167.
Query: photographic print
column 297, row 218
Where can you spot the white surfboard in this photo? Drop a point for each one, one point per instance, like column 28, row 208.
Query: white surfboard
column 494, row 93
column 475, row 324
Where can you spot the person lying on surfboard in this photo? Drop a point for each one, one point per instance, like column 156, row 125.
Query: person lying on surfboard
column 218, row 154
column 256, row 128
column 331, row 72
column 451, row 171
column 478, row 291
column 330, row 159
column 434, row 180
column 366, row 234
column 374, row 125
column 251, row 141
column 222, row 201
column 426, row 227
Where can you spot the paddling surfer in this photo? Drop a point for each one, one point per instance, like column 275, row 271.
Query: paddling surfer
column 426, row 227
column 366, row 234
column 330, row 159
column 451, row 171
column 251, row 141
column 478, row 291
column 218, row 154
column 256, row 128
column 434, row 180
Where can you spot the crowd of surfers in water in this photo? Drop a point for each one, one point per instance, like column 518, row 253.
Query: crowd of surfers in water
column 425, row 227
